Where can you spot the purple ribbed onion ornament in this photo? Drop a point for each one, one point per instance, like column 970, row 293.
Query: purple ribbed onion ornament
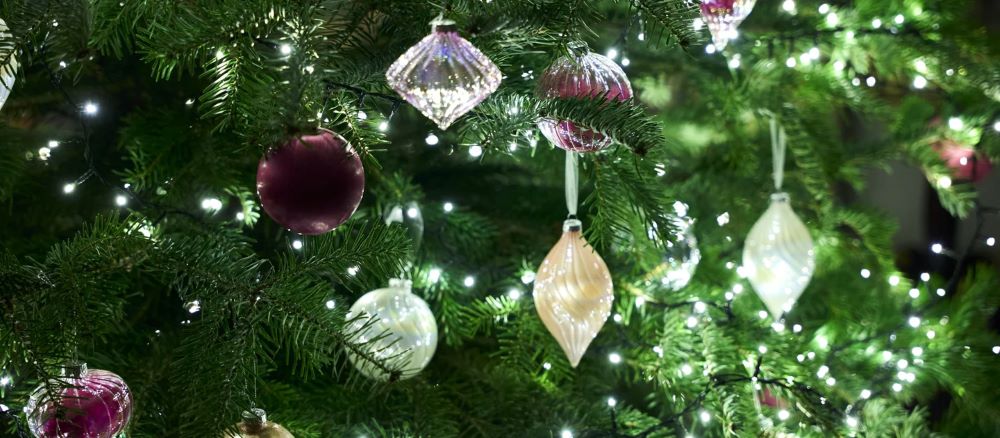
column 91, row 404
column 312, row 183
column 723, row 17
column 444, row 76
column 584, row 74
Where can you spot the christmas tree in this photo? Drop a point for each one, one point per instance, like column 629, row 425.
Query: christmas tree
column 498, row 218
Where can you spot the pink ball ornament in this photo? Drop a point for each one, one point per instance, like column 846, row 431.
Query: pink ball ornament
column 584, row 74
column 91, row 404
column 312, row 183
column 959, row 159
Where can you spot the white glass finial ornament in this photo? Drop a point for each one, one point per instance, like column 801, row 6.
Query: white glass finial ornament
column 8, row 65
column 394, row 326
column 444, row 76
column 256, row 425
column 778, row 255
column 723, row 17
column 573, row 292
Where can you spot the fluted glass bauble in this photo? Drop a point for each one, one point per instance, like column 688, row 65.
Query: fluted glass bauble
column 573, row 292
column 256, row 425
column 581, row 75
column 409, row 216
column 778, row 256
column 394, row 326
column 8, row 65
column 723, row 17
column 89, row 403
column 444, row 76
column 681, row 256
column 312, row 183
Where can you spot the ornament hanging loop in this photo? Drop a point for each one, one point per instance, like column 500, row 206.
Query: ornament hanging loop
column 572, row 183
column 778, row 148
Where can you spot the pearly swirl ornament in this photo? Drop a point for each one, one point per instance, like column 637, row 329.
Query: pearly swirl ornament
column 394, row 326
column 778, row 256
column 8, row 68
column 573, row 292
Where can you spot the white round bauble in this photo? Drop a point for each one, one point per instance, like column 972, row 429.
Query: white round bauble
column 778, row 256
column 394, row 326
column 8, row 65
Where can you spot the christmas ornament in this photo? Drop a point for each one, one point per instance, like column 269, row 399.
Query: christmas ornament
column 444, row 76
column 311, row 184
column 396, row 327
column 682, row 255
column 573, row 292
column 86, row 403
column 409, row 216
column 959, row 159
column 723, row 17
column 255, row 425
column 778, row 256
column 8, row 65
column 584, row 74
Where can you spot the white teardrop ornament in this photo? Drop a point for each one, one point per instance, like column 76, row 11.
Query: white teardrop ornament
column 778, row 256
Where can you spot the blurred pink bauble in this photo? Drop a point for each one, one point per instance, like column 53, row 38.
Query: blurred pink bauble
column 723, row 17
column 959, row 159
column 91, row 403
column 584, row 74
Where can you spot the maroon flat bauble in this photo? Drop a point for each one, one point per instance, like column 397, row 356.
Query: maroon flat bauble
column 312, row 183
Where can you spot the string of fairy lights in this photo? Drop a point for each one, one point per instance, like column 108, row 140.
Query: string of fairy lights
column 905, row 363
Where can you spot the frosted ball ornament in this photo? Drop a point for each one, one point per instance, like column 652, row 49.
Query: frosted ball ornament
column 681, row 256
column 582, row 74
column 394, row 326
column 778, row 256
column 444, row 76
column 409, row 216
column 88, row 403
column 723, row 17
column 256, row 425
column 573, row 292
column 8, row 64
column 312, row 183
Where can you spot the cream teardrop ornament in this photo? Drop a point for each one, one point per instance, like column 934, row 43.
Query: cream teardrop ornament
column 778, row 256
column 573, row 292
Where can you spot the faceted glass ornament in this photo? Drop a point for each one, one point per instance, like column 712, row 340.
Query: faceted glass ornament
column 256, row 425
column 681, row 257
column 444, row 76
column 89, row 403
column 8, row 66
column 778, row 256
column 409, row 216
column 573, row 292
column 396, row 327
column 723, row 17
column 583, row 74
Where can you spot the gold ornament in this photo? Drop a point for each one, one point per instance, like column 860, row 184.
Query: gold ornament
column 255, row 425
column 573, row 292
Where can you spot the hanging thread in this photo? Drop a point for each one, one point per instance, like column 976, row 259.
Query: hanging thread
column 778, row 139
column 572, row 183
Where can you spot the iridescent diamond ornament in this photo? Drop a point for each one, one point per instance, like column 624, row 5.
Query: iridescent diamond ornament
column 681, row 256
column 444, row 76
column 778, row 256
column 583, row 74
column 723, row 17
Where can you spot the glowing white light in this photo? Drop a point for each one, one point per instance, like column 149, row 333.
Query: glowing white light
column 865, row 273
column 821, row 372
column 914, row 322
column 788, row 6
column 991, row 241
column 914, row 293
column 612, row 53
column 383, row 126
column 5, row 380
column 90, row 108
column 832, row 20
column 691, row 322
column 762, row 314
column 700, row 307
column 796, row 328
column 686, row 369
column 211, row 204
column 641, row 36
column 897, row 387
column 730, row 296
column 194, row 306
column 625, row 62
column 762, row 349
column 931, row 334
column 783, row 415
column 527, row 277
column 919, row 82
column 996, row 349
column 722, row 219
column 950, row 72
column 925, row 276
column 658, row 350
column 937, row 248
column 547, row 366
column 822, row 341
column 121, row 200
column 814, row 53
column 778, row 327
column 296, row 244
column 240, row 216
column 69, row 188
column 286, row 49
column 330, row 304
column 944, row 182
column 612, row 402
column 996, row 126
column 824, row 8
column 790, row 62
column 737, row 288
column 566, row 434
column 705, row 416
column 353, row 270
column 615, row 358
column 899, row 19
column 866, row 394
column 917, row 351
column 698, row 24
column 871, row 81
column 734, row 63
column 618, row 318
column 902, row 364
column 469, row 281
column 886, row 356
column 940, row 292
column 412, row 212
column 800, row 358
column 856, row 82
column 640, row 301
column 830, row 381
column 852, row 422
column 448, row 207
column 53, row 144
column 876, row 23
column 955, row 123
column 894, row 280
column 710, row 49
column 475, row 151
column 431, row 139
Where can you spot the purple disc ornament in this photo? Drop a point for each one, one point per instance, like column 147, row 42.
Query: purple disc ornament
column 584, row 74
column 90, row 403
column 312, row 183
column 723, row 17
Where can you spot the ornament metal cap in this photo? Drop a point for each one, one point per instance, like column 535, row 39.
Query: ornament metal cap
column 74, row 370
column 254, row 419
column 443, row 25
column 572, row 225
column 578, row 48
column 780, row 197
